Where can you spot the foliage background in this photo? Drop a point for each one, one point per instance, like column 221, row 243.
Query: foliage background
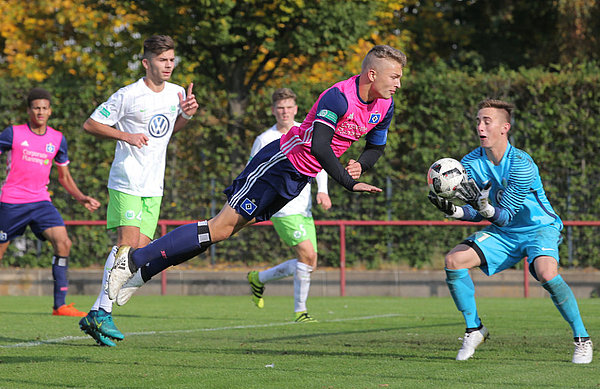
column 236, row 62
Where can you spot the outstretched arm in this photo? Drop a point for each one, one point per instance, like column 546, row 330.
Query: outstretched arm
column 66, row 180
column 321, row 149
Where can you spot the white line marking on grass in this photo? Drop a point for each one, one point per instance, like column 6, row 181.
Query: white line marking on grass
column 67, row 338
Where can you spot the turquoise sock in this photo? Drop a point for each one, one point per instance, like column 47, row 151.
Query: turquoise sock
column 463, row 292
column 563, row 298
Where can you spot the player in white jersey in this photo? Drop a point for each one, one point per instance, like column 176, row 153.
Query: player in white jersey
column 523, row 225
column 142, row 117
column 294, row 222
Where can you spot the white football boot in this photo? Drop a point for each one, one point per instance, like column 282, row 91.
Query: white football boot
column 583, row 351
column 470, row 342
column 120, row 272
column 130, row 287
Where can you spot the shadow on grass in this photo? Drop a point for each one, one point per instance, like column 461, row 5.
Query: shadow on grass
column 336, row 333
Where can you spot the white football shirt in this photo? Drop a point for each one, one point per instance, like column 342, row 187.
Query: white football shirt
column 135, row 108
column 302, row 204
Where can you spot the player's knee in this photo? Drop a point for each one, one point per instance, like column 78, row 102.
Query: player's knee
column 220, row 233
column 546, row 268
column 454, row 260
column 63, row 246
column 312, row 260
column 546, row 275
column 308, row 257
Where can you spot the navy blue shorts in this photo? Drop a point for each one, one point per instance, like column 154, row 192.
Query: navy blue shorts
column 268, row 182
column 14, row 219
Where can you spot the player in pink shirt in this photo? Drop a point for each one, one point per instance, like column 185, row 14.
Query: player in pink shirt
column 350, row 109
column 24, row 197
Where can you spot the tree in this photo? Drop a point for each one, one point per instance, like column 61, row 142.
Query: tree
column 510, row 33
column 238, row 46
column 79, row 38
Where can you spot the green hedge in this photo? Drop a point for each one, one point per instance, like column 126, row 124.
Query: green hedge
column 556, row 122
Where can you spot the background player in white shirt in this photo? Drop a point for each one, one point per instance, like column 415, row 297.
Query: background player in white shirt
column 294, row 222
column 142, row 117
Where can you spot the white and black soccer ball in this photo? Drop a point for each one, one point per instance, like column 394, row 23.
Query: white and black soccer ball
column 444, row 176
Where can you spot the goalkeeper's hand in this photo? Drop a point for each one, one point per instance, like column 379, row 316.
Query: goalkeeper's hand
column 469, row 192
column 445, row 206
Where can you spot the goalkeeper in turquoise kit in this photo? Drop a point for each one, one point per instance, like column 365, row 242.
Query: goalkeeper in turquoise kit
column 504, row 187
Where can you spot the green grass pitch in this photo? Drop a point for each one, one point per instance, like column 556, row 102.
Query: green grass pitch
column 359, row 342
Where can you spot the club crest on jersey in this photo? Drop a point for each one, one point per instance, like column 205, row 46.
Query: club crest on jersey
column 158, row 126
column 374, row 118
column 499, row 195
column 50, row 148
column 3, row 236
column 248, row 206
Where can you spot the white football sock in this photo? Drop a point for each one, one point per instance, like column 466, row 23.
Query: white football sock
column 282, row 270
column 103, row 301
column 301, row 286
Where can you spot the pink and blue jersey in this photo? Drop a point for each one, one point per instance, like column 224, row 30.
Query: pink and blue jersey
column 280, row 170
column 341, row 108
column 29, row 160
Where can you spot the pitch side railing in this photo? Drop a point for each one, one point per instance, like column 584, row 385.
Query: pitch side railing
column 342, row 224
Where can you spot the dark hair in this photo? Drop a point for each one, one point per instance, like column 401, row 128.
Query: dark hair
column 38, row 94
column 498, row 104
column 282, row 94
column 157, row 44
column 385, row 52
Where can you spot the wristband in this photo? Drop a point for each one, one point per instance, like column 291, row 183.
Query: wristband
column 458, row 213
column 186, row 116
column 488, row 211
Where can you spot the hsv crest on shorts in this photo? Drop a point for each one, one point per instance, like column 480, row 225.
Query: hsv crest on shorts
column 248, row 206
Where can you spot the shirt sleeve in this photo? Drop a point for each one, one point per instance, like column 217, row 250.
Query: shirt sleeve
column 112, row 110
column 6, row 139
column 378, row 135
column 62, row 158
column 332, row 106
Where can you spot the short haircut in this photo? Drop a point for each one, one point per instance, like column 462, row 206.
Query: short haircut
column 498, row 104
column 157, row 44
column 38, row 94
column 282, row 94
column 383, row 52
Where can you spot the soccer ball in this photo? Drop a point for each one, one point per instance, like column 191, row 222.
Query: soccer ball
column 444, row 176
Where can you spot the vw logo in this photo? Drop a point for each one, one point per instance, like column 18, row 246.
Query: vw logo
column 158, row 126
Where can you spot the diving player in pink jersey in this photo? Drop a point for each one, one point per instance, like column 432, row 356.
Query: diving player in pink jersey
column 24, row 197
column 350, row 109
